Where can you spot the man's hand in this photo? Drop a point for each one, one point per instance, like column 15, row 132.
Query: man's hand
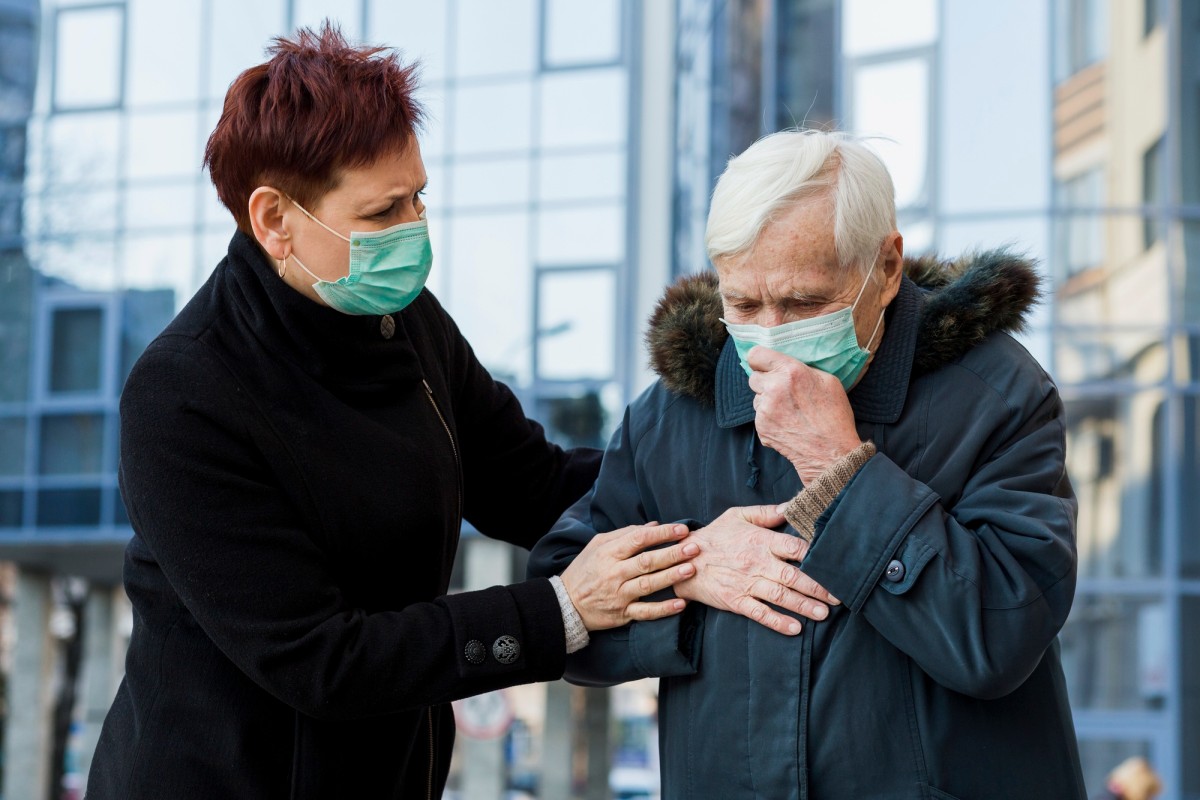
column 742, row 566
column 800, row 412
column 608, row 579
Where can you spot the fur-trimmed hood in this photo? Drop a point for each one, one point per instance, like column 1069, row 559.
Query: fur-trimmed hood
column 965, row 300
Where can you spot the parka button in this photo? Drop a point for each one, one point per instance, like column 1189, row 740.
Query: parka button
column 506, row 650
column 475, row 651
column 895, row 571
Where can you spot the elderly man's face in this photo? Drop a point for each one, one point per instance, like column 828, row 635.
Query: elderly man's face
column 792, row 273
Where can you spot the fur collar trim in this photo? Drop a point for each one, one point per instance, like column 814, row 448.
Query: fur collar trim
column 965, row 301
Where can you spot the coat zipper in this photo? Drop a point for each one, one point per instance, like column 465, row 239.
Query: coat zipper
column 429, row 779
column 458, row 483
column 453, row 446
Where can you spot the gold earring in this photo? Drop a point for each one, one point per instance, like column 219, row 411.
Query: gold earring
column 282, row 262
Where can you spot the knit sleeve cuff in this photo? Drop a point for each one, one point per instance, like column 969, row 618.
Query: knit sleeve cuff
column 576, row 633
column 805, row 509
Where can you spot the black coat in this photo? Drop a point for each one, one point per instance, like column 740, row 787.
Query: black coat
column 952, row 551
column 296, row 480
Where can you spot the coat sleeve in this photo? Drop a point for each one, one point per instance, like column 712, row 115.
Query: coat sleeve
column 659, row 648
column 516, row 482
column 974, row 588
column 212, row 520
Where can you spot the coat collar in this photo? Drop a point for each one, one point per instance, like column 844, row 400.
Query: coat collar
column 878, row 397
column 343, row 350
column 944, row 309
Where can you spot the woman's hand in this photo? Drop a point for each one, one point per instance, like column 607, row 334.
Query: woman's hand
column 743, row 566
column 608, row 580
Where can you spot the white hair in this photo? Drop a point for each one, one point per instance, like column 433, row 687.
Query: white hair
column 784, row 168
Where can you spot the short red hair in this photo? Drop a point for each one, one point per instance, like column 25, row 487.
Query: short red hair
column 317, row 107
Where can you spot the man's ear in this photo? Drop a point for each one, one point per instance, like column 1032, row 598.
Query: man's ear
column 891, row 266
column 268, row 222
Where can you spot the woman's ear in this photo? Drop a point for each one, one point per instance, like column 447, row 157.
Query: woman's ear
column 268, row 222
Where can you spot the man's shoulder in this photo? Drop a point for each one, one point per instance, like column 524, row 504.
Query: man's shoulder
column 998, row 365
column 659, row 409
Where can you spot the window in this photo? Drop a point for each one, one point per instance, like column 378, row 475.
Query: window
column 494, row 38
column 89, row 57
column 583, row 108
column 875, row 26
column 804, row 73
column 68, row 507
column 75, row 350
column 12, row 446
column 10, row 508
column 72, row 444
column 1080, row 231
column 493, row 119
column 576, row 317
column 1152, row 194
column 581, row 34
column 1082, row 35
column 892, row 99
column 1114, row 652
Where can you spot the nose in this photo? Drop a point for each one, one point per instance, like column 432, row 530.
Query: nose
column 412, row 213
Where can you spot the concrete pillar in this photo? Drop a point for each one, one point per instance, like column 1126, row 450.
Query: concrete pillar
column 96, row 684
column 596, row 722
column 556, row 742
column 489, row 563
column 27, row 735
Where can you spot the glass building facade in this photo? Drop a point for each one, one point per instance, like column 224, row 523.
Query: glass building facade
column 108, row 226
column 1067, row 130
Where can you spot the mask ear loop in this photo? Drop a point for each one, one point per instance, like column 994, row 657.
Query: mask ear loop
column 878, row 323
column 283, row 263
column 304, row 211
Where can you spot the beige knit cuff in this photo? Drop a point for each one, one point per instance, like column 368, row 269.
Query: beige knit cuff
column 805, row 509
column 573, row 628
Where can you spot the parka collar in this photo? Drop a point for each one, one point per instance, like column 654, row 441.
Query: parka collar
column 878, row 397
column 944, row 309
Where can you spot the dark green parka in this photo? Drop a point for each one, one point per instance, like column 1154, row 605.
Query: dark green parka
column 952, row 550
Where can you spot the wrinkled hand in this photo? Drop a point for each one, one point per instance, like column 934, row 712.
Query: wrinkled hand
column 742, row 566
column 800, row 412
column 609, row 578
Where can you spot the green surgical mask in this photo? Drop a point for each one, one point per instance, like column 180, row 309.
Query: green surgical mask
column 828, row 342
column 388, row 268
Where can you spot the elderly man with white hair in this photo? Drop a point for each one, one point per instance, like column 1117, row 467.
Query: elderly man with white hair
column 897, row 639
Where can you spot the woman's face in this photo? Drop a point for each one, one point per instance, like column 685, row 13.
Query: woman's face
column 371, row 198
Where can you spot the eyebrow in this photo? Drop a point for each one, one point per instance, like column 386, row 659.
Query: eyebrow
column 808, row 298
column 392, row 197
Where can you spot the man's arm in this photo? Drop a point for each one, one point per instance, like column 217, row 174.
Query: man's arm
column 657, row 648
column 975, row 588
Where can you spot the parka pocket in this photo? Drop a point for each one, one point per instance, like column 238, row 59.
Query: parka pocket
column 935, row 793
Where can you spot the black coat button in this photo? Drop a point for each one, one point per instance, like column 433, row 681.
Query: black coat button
column 895, row 571
column 475, row 651
column 506, row 650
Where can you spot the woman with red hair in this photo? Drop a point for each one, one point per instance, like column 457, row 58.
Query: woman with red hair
column 298, row 450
